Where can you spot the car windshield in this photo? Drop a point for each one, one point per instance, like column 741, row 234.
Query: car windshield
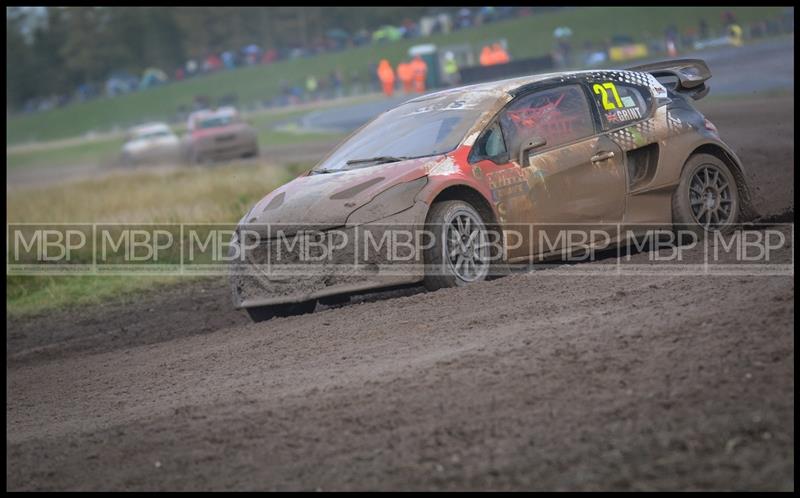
column 414, row 129
column 155, row 134
column 216, row 121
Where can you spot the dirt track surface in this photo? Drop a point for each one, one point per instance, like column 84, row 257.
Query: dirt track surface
column 547, row 380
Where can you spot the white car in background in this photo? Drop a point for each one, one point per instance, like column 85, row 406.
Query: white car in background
column 150, row 143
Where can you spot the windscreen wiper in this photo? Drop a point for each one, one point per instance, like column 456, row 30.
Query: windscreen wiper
column 379, row 160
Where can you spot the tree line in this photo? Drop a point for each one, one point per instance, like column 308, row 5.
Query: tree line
column 53, row 50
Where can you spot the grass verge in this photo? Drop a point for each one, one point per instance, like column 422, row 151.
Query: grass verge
column 218, row 195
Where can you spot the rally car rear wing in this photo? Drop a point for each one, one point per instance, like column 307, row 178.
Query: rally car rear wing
column 691, row 75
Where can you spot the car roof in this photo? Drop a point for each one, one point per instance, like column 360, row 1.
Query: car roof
column 209, row 113
column 491, row 96
column 150, row 128
column 501, row 88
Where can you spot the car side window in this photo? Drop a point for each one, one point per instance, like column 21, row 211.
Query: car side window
column 619, row 104
column 490, row 145
column 559, row 115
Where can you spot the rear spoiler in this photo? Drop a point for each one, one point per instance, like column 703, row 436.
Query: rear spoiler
column 692, row 75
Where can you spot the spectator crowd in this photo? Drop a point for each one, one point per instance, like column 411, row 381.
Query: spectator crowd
column 382, row 76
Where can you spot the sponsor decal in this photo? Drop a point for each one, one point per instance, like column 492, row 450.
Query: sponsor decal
column 628, row 102
column 623, row 115
column 507, row 183
column 456, row 105
column 506, row 177
column 657, row 88
column 508, row 191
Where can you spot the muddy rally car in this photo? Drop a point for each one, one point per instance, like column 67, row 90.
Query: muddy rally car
column 617, row 149
column 217, row 134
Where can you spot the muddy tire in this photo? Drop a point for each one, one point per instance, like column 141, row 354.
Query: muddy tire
column 707, row 197
column 264, row 313
column 459, row 254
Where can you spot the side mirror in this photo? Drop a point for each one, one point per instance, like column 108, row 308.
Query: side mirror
column 528, row 146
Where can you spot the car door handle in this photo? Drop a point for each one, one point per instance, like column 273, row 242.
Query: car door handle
column 602, row 156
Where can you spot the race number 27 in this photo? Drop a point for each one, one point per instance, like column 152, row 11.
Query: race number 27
column 601, row 89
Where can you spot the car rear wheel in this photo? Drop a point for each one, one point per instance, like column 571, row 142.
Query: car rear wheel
column 460, row 252
column 707, row 197
column 264, row 313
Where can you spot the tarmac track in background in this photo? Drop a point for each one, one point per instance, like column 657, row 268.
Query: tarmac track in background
column 533, row 381
column 769, row 66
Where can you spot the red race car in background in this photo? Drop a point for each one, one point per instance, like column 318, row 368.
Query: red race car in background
column 218, row 134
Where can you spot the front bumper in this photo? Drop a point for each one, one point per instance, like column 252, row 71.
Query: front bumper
column 226, row 149
column 155, row 153
column 278, row 270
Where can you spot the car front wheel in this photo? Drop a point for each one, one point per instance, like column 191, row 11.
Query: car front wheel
column 460, row 252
